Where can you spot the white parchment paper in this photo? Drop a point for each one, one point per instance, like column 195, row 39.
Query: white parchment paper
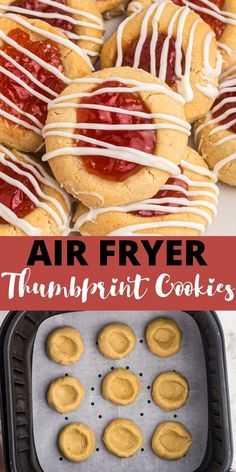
column 91, row 368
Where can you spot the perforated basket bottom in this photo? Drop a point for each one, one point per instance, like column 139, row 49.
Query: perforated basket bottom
column 97, row 412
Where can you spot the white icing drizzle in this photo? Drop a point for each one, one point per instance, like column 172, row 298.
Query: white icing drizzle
column 34, row 124
column 210, row 9
column 107, row 149
column 167, row 204
column 227, row 84
column 51, row 36
column 66, row 15
column 183, row 83
column 35, row 174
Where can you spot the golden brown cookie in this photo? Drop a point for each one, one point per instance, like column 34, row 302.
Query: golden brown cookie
column 65, row 394
column 65, row 345
column 80, row 21
column 110, row 8
column 163, row 336
column 219, row 14
column 170, row 391
column 93, row 158
column 171, row 441
column 184, row 206
column 122, row 437
column 31, row 201
column 215, row 133
column 121, row 387
column 37, row 62
column 116, row 341
column 77, row 442
column 180, row 49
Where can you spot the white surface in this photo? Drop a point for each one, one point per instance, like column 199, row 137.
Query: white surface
column 228, row 321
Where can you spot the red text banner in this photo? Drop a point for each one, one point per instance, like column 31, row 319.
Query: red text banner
column 117, row 273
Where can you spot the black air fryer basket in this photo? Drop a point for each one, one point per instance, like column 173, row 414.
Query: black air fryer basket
column 16, row 345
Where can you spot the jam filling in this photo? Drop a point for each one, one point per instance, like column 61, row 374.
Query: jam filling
column 109, row 168
column 36, row 5
column 225, row 108
column 165, row 194
column 15, row 92
column 145, row 60
column 217, row 25
column 12, row 197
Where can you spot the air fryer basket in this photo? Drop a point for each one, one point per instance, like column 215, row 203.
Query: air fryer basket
column 16, row 344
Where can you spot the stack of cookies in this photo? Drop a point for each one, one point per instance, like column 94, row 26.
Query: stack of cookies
column 117, row 139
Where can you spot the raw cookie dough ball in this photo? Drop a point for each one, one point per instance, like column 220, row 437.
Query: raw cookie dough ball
column 171, row 441
column 116, row 340
column 163, row 337
column 121, row 387
column 65, row 394
column 76, row 442
column 65, row 345
column 170, row 391
column 122, row 438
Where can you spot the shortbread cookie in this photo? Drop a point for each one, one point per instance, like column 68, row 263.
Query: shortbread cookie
column 37, row 62
column 123, row 438
column 171, row 441
column 116, row 341
column 170, row 391
column 65, row 345
column 121, row 387
column 219, row 14
column 77, row 442
column 184, row 206
column 174, row 44
column 215, row 133
column 88, row 150
column 80, row 21
column 110, row 8
column 65, row 394
column 164, row 338
column 31, row 201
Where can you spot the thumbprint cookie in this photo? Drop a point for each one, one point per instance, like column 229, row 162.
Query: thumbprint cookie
column 115, row 136
column 80, row 21
column 110, row 8
column 215, row 133
column 174, row 44
column 31, row 201
column 184, row 206
column 219, row 14
column 37, row 61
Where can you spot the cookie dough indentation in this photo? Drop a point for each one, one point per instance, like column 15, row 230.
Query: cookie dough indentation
column 65, row 394
column 76, row 442
column 116, row 340
column 171, row 441
column 163, row 337
column 121, row 387
column 122, row 438
column 170, row 391
column 65, row 345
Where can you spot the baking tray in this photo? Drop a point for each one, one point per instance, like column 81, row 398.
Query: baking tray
column 17, row 342
column 98, row 412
